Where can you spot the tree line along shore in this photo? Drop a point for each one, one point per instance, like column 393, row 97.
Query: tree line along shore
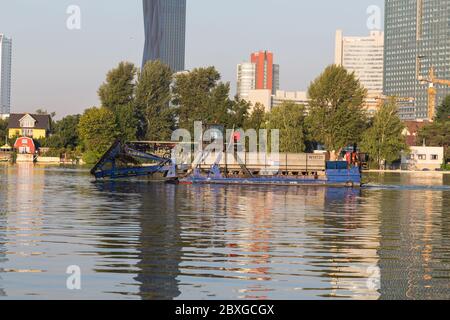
column 149, row 104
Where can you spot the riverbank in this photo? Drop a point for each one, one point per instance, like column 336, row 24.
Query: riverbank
column 406, row 172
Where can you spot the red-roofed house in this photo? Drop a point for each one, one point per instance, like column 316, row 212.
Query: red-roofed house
column 25, row 145
column 411, row 132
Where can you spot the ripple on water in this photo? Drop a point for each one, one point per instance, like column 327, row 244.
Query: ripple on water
column 150, row 241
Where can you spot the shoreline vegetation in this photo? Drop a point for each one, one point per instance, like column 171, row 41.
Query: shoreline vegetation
column 149, row 104
column 86, row 167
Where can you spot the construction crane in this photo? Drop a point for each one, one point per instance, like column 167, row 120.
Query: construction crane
column 432, row 81
column 382, row 99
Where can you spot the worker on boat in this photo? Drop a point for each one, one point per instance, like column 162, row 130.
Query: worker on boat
column 355, row 156
column 236, row 139
column 348, row 159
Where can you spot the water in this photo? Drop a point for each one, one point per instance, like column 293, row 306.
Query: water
column 150, row 241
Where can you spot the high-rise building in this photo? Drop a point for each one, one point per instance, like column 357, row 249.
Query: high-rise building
column 268, row 100
column 5, row 74
column 267, row 73
column 165, row 32
column 364, row 57
column 258, row 74
column 246, row 79
column 416, row 30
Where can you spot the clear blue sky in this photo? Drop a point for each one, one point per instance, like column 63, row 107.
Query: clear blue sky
column 60, row 70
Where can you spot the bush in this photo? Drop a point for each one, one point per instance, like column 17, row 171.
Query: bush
column 53, row 152
column 446, row 167
column 91, row 157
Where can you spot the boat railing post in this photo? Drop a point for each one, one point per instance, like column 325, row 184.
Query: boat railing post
column 307, row 171
column 287, row 166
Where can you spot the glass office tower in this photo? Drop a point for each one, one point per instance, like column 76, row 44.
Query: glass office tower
column 416, row 29
column 5, row 74
column 165, row 32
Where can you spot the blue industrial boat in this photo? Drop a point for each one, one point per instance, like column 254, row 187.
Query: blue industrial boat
column 124, row 161
column 337, row 174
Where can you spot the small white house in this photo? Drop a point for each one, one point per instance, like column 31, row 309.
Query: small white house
column 423, row 158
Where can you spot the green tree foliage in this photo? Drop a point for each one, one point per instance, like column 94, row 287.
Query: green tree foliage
column 443, row 112
column 65, row 133
column 337, row 118
column 117, row 94
column 118, row 90
column 200, row 96
column 239, row 115
column 153, row 97
column 3, row 131
column 256, row 119
column 42, row 111
column 384, row 140
column 289, row 118
column 98, row 130
column 437, row 134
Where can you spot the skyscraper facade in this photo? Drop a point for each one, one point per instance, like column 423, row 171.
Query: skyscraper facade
column 5, row 74
column 258, row 74
column 246, row 79
column 364, row 57
column 267, row 73
column 165, row 32
column 417, row 34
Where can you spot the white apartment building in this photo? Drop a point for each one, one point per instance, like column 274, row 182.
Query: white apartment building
column 365, row 57
column 5, row 75
column 423, row 158
column 269, row 100
column 246, row 79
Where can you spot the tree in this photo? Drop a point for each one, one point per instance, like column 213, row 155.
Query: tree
column 44, row 112
column 337, row 118
column 437, row 134
column 117, row 94
column 384, row 140
column 98, row 130
column 118, row 89
column 257, row 118
column 289, row 118
column 153, row 96
column 443, row 112
column 3, row 130
column 65, row 133
column 200, row 96
column 239, row 113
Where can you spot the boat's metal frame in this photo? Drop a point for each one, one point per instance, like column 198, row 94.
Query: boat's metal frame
column 124, row 161
column 130, row 166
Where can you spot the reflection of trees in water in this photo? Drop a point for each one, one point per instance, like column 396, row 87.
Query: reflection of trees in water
column 2, row 231
column 414, row 258
column 160, row 248
column 3, row 258
column 159, row 245
column 349, row 236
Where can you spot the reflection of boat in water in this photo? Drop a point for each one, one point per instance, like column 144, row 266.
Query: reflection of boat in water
column 137, row 161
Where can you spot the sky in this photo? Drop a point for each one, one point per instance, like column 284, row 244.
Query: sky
column 60, row 70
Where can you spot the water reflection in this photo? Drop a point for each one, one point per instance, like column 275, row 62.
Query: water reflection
column 150, row 241
column 3, row 197
column 158, row 246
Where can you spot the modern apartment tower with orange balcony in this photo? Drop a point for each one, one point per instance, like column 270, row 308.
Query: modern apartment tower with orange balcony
column 267, row 73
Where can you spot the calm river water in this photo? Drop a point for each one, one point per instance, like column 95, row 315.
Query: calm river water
column 150, row 241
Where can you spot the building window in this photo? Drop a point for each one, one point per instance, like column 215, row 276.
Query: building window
column 434, row 157
column 411, row 157
column 27, row 132
column 422, row 157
